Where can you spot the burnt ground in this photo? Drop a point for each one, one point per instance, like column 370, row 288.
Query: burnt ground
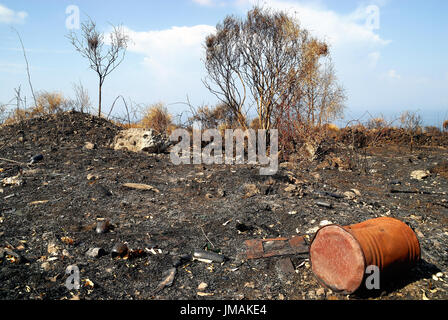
column 48, row 222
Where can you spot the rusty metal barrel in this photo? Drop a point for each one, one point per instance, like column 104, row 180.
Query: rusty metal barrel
column 340, row 255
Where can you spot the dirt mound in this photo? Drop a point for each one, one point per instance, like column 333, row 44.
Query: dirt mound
column 57, row 130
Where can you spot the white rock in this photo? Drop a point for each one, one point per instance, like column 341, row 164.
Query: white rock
column 312, row 230
column 320, row 292
column 325, row 223
column 46, row 266
column 92, row 176
column 52, row 248
column 89, row 146
column 202, row 286
column 349, row 195
column 138, row 139
column 16, row 181
column 420, row 174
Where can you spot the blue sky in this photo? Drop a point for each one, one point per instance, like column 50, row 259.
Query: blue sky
column 389, row 60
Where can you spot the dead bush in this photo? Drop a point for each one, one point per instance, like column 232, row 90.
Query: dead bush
column 49, row 103
column 255, row 124
column 157, row 117
column 220, row 116
column 3, row 115
column 376, row 123
column 432, row 130
column 46, row 103
column 18, row 115
column 81, row 102
column 411, row 122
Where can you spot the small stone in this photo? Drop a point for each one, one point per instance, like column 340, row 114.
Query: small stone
column 92, row 176
column 420, row 174
column 439, row 274
column 209, row 196
column 325, row 223
column 90, row 146
column 324, row 204
column 46, row 266
column 202, row 286
column 312, row 230
column 349, row 195
column 52, row 248
column 65, row 253
column 320, row 292
column 95, row 252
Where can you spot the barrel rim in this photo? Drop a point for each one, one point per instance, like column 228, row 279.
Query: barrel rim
column 359, row 249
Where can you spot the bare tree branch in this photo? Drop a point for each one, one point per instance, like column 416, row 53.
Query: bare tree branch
column 90, row 46
column 27, row 65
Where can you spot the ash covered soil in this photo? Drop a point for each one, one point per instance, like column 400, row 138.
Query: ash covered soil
column 48, row 222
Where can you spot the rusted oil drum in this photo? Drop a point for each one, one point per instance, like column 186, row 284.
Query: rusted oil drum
column 340, row 255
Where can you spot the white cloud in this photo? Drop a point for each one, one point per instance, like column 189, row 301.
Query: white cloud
column 204, row 2
column 393, row 74
column 171, row 63
column 337, row 29
column 213, row 3
column 170, row 52
column 10, row 16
